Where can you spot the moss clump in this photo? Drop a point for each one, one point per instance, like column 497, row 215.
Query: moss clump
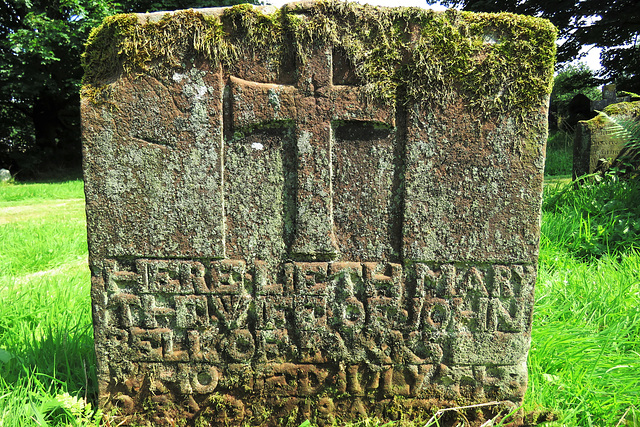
column 103, row 55
column 248, row 26
column 499, row 62
column 122, row 45
column 631, row 109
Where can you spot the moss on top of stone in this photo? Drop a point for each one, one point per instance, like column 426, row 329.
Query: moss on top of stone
column 621, row 109
column 499, row 62
column 624, row 109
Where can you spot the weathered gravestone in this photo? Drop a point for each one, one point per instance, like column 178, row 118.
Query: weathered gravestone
column 599, row 139
column 325, row 211
column 609, row 96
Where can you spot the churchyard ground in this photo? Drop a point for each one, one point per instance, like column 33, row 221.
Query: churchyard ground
column 584, row 363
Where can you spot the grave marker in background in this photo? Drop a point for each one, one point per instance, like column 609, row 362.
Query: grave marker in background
column 599, row 140
column 310, row 213
column 609, row 96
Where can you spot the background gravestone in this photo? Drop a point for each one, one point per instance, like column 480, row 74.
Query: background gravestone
column 599, row 139
column 579, row 108
column 325, row 211
column 609, row 96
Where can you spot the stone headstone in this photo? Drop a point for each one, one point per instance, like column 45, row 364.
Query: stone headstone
column 5, row 175
column 579, row 108
column 609, row 96
column 599, row 140
column 325, row 211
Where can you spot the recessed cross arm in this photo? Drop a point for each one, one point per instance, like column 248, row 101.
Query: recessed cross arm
column 255, row 104
column 350, row 105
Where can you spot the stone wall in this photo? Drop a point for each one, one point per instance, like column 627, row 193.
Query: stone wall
column 326, row 211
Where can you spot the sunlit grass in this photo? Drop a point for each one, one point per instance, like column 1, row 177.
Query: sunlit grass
column 584, row 361
column 47, row 363
column 20, row 192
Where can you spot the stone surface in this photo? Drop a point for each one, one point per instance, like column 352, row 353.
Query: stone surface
column 313, row 225
column 5, row 175
column 609, row 96
column 599, row 140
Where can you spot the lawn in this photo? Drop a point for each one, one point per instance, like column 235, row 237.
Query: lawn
column 584, row 362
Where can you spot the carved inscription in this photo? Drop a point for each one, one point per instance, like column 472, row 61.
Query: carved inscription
column 606, row 143
column 314, row 325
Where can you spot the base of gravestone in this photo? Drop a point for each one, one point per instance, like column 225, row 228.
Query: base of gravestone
column 227, row 410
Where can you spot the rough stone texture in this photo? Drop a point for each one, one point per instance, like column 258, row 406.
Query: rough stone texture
column 609, row 96
column 270, row 241
column 599, row 139
column 5, row 175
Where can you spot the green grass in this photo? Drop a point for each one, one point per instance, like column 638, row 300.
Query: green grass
column 594, row 217
column 584, row 361
column 20, row 193
column 46, row 339
column 42, row 244
column 559, row 159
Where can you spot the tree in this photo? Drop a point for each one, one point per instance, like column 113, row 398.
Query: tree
column 155, row 5
column 572, row 80
column 613, row 25
column 40, row 46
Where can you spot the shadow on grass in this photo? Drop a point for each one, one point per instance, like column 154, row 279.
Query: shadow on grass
column 48, row 176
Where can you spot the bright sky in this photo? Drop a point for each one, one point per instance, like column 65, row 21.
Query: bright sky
column 592, row 59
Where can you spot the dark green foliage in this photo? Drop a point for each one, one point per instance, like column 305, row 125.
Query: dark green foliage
column 570, row 81
column 40, row 46
column 143, row 6
column 613, row 25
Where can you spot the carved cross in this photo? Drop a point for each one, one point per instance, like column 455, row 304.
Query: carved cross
column 313, row 105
